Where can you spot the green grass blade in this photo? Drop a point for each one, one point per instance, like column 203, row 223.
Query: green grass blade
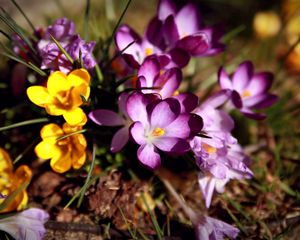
column 132, row 234
column 86, row 19
column 233, row 33
column 86, row 184
column 24, row 123
column 13, row 195
column 62, row 50
column 158, row 230
column 24, row 15
column 118, row 24
column 70, row 134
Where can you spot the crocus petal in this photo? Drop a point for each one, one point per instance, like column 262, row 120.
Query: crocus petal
column 169, row 81
column 58, row 82
column 224, row 80
column 136, row 107
column 119, row 139
column 268, row 101
column 242, row 76
column 39, row 95
column 46, row 150
column 195, row 44
column 75, row 117
column 122, row 101
column 77, row 158
column 217, row 99
column 207, row 186
column 106, row 117
column 260, row 83
column 164, row 113
column 154, row 32
column 26, row 225
column 51, row 132
column 149, row 69
column 188, row 102
column 171, row 144
column 236, row 99
column 170, row 31
column 165, row 8
column 250, row 114
column 149, row 156
column 188, row 20
column 61, row 162
column 137, row 131
column 79, row 76
column 180, row 57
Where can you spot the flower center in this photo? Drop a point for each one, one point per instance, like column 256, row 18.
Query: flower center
column 148, row 51
column 246, row 93
column 157, row 132
column 209, row 149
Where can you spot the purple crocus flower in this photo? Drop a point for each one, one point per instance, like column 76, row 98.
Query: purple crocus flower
column 150, row 75
column 106, row 117
column 135, row 49
column 208, row 228
column 26, row 225
column 219, row 156
column 63, row 31
column 249, row 90
column 183, row 29
column 160, row 125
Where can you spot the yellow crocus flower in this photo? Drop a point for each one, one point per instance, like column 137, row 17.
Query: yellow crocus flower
column 64, row 153
column 11, row 181
column 63, row 95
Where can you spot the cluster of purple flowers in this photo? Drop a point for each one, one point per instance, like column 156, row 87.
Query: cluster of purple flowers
column 160, row 119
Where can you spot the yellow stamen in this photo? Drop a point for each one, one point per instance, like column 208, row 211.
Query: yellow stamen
column 148, row 51
column 209, row 148
column 246, row 93
column 157, row 132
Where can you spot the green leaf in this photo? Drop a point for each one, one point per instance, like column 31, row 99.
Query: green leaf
column 24, row 123
column 62, row 50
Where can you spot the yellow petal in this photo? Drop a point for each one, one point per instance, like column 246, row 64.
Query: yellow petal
column 61, row 163
column 79, row 76
column 77, row 92
column 51, row 132
column 58, row 82
column 78, row 159
column 75, row 117
column 23, row 201
column 46, row 150
column 39, row 95
column 67, row 128
column 55, row 109
column 22, row 175
column 5, row 162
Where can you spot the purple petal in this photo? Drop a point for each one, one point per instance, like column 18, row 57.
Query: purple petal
column 166, row 8
column 136, row 107
column 122, row 101
column 207, row 186
column 195, row 44
column 224, row 80
column 137, row 131
column 268, row 101
column 106, row 117
column 217, row 99
column 250, row 114
column 170, row 31
column 260, row 83
column 188, row 20
column 169, row 82
column 236, row 99
column 180, row 57
column 164, row 113
column 242, row 76
column 149, row 69
column 188, row 102
column 148, row 155
column 119, row 139
column 171, row 144
column 154, row 33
